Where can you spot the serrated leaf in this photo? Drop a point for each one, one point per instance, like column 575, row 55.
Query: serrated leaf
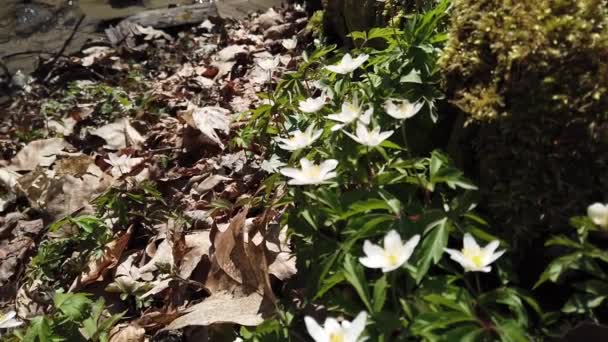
column 353, row 272
column 431, row 250
column 72, row 305
column 380, row 293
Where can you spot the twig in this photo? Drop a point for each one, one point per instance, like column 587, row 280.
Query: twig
column 59, row 53
column 28, row 52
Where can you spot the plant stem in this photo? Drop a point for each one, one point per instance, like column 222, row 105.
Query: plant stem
column 394, row 290
column 477, row 283
column 467, row 284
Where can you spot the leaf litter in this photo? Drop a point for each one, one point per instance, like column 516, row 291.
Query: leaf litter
column 137, row 134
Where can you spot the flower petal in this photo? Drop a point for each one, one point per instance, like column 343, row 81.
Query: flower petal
column 456, row 256
column 356, row 327
column 306, row 164
column 490, row 248
column 372, row 250
column 315, row 330
column 373, row 262
column 290, row 172
column 410, row 245
column 328, row 165
column 598, row 213
column 493, row 257
column 469, row 242
column 393, row 242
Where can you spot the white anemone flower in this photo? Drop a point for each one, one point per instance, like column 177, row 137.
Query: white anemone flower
column 312, row 104
column 324, row 87
column 351, row 111
column 347, row 64
column 311, row 173
column 299, row 139
column 393, row 255
column 367, row 137
column 402, row 109
column 598, row 213
column 334, row 331
column 121, row 165
column 269, row 64
column 9, row 320
column 290, row 44
column 474, row 258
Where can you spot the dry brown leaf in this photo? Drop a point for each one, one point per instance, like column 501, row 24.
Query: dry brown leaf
column 11, row 255
column 99, row 266
column 119, row 134
column 209, row 119
column 95, row 53
column 230, row 52
column 268, row 19
column 210, row 182
column 38, row 153
column 198, row 244
column 127, row 333
column 222, row 307
column 240, row 259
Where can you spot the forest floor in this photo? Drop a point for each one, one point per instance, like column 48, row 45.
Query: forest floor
column 123, row 175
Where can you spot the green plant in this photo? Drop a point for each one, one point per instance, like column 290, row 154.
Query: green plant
column 58, row 260
column 581, row 266
column 73, row 317
column 363, row 178
column 530, row 79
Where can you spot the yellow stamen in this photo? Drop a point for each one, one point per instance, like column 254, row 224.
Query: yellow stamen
column 339, row 337
column 392, row 259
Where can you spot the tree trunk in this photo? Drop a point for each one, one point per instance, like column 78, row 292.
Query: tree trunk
column 345, row 16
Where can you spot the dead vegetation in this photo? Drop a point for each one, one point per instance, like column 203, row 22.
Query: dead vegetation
column 120, row 178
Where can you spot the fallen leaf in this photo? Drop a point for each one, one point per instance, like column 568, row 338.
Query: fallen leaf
column 95, row 53
column 127, row 333
column 230, row 52
column 268, row 19
column 240, row 259
column 198, row 244
column 12, row 254
column 61, row 195
column 208, row 120
column 119, row 135
column 151, row 33
column 222, row 307
column 210, row 182
column 98, row 266
column 38, row 153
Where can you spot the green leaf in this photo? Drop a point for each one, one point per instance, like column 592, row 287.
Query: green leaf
column 380, row 293
column 412, row 77
column 561, row 240
column 507, row 297
column 366, row 206
column 353, row 271
column 72, row 305
column 511, row 331
column 40, row 330
column 582, row 303
column 432, row 248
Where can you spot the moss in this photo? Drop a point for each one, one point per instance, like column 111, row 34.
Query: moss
column 316, row 23
column 531, row 77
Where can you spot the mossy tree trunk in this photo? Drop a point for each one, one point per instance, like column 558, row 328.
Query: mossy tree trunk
column 344, row 16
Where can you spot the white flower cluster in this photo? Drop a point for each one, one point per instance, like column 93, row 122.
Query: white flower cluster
column 352, row 112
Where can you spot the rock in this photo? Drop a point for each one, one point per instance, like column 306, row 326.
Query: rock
column 31, row 18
